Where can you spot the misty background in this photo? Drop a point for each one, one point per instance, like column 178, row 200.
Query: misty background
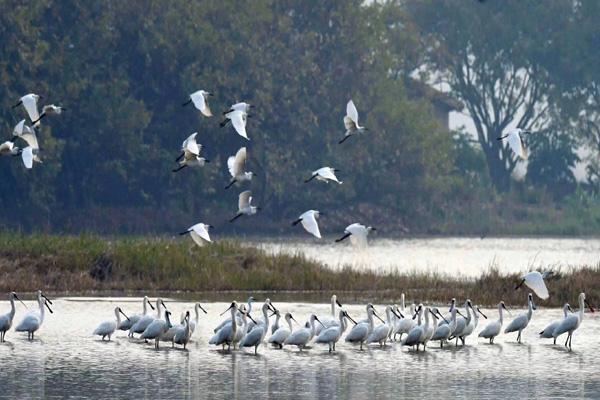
column 416, row 70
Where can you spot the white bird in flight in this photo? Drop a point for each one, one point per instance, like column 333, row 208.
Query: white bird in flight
column 238, row 116
column 200, row 100
column 324, row 174
column 245, row 206
column 535, row 281
column 309, row 222
column 29, row 102
column 357, row 233
column 199, row 233
column 351, row 122
column 190, row 154
column 237, row 168
column 49, row 109
column 29, row 154
column 516, row 143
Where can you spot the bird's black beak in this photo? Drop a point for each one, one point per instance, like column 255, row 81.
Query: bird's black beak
column 319, row 321
column 520, row 284
column 349, row 317
column 589, row 306
column 230, row 307
column 150, row 304
column 164, row 305
column 442, row 317
column 397, row 314
column 378, row 317
column 459, row 313
column 48, row 306
column 121, row 311
column 47, row 299
column 17, row 297
column 432, row 313
column 202, row 308
column 251, row 319
column 338, row 303
column 482, row 314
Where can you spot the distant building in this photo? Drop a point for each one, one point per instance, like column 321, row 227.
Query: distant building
column 443, row 103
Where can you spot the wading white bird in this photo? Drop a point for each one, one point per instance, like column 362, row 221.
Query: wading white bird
column 226, row 334
column 417, row 334
column 32, row 321
column 190, row 154
column 381, row 333
column 535, row 281
column 49, row 109
column 324, row 174
column 257, row 334
column 183, row 333
column 444, row 331
column 515, row 142
column 237, row 168
column 143, row 323
column 275, row 325
column 238, row 119
column 200, row 100
column 462, row 323
column 107, row 328
column 405, row 324
column 357, row 234
column 308, row 220
column 331, row 320
column 194, row 322
column 282, row 333
column 126, row 324
column 333, row 334
column 472, row 325
column 522, row 320
column 571, row 322
column 361, row 331
column 6, row 320
column 157, row 328
column 302, row 336
column 29, row 102
column 548, row 332
column 228, row 320
column 199, row 233
column 245, row 206
column 351, row 122
column 494, row 328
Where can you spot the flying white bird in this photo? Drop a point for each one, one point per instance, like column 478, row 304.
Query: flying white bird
column 29, row 154
column 309, row 222
column 245, row 206
column 351, row 122
column 190, row 154
column 324, row 174
column 199, row 233
column 49, row 109
column 237, row 168
column 535, row 281
column 357, row 233
column 515, row 142
column 238, row 116
column 8, row 148
column 200, row 100
column 29, row 102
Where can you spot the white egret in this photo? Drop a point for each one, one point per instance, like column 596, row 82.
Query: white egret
column 416, row 334
column 361, row 331
column 257, row 334
column 357, row 234
column 126, row 324
column 327, row 322
column 494, row 328
column 515, row 142
column 29, row 102
column 107, row 328
column 200, row 100
column 324, row 174
column 333, row 334
column 302, row 336
column 157, row 328
column 472, row 325
column 225, row 335
column 308, row 220
column 199, row 233
column 32, row 321
column 6, row 320
column 282, row 333
column 190, row 154
column 238, row 119
column 143, row 323
column 535, row 281
column 444, row 331
column 245, row 206
column 571, row 322
column 522, row 320
column 351, row 122
column 237, row 168
column 548, row 332
column 380, row 334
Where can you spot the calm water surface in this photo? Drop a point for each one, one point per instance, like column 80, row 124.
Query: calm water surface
column 65, row 361
column 454, row 256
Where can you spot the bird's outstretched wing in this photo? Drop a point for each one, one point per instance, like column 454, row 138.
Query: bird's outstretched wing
column 309, row 222
column 244, row 199
column 201, row 103
column 238, row 120
column 352, row 112
column 27, row 156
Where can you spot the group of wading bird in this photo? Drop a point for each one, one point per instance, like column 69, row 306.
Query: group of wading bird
column 419, row 324
column 190, row 156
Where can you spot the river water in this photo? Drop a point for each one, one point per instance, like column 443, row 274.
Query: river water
column 451, row 256
column 65, row 361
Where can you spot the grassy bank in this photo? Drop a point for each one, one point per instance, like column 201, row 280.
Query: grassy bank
column 89, row 264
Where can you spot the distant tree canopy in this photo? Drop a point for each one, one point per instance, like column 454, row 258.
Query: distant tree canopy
column 122, row 70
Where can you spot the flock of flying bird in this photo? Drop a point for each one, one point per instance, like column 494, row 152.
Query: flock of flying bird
column 419, row 324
